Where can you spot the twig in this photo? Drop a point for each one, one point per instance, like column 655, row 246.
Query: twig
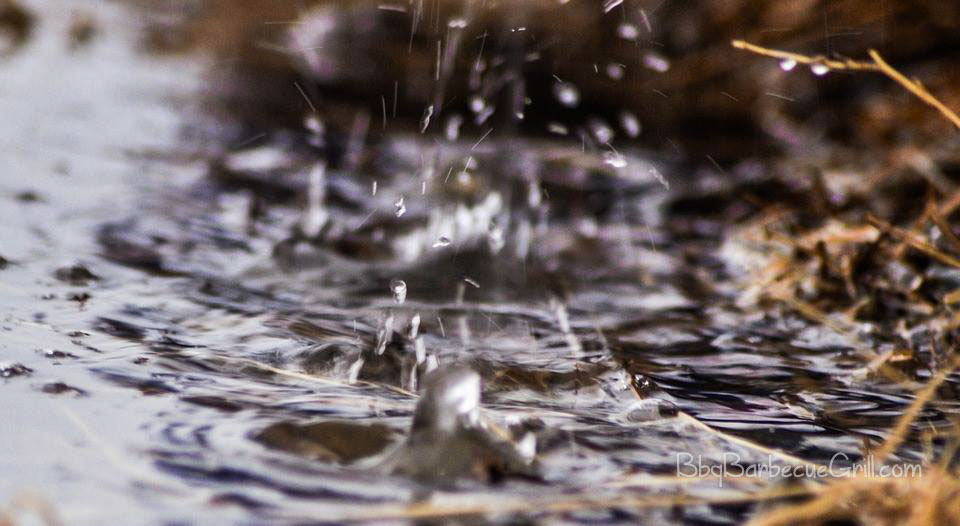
column 914, row 86
column 916, row 241
column 837, row 65
column 878, row 65
column 899, row 432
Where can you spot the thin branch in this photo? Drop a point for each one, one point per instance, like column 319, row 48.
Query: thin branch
column 878, row 65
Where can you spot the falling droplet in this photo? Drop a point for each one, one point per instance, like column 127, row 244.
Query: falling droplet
column 567, row 94
column 656, row 62
column 477, row 104
column 630, row 124
column 399, row 289
column 373, row 188
column 399, row 207
column 557, row 128
column 628, row 31
column 425, row 121
column 819, row 69
column 615, row 71
column 316, row 128
column 600, row 130
column 453, row 127
column 316, row 215
column 788, row 64
column 442, row 242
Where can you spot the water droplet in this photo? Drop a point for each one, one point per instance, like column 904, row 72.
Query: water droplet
column 399, row 207
column 819, row 69
column 373, row 188
column 788, row 64
column 534, row 195
column 628, row 31
column 399, row 289
column 442, row 242
column 630, row 124
column 316, row 128
column 425, row 120
column 656, row 62
column 484, row 115
column 557, row 128
column 610, row 5
column 453, row 127
column 477, row 104
column 615, row 71
column 567, row 94
column 600, row 130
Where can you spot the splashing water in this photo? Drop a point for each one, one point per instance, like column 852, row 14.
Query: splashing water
column 399, row 289
column 316, row 215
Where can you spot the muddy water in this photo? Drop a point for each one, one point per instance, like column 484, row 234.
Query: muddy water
column 198, row 330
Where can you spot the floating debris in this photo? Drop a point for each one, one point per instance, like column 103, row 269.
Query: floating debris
column 444, row 241
column 399, row 208
column 76, row 274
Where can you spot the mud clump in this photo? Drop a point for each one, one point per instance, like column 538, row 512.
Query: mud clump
column 75, row 275
column 8, row 370
column 16, row 25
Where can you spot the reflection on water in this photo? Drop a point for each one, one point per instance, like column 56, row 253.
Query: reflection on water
column 194, row 331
